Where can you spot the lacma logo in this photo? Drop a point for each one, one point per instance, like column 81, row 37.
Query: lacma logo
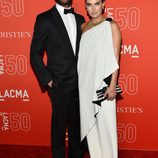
column 11, row 64
column 4, row 121
column 131, row 50
column 14, row 121
column 1, row 65
column 14, row 94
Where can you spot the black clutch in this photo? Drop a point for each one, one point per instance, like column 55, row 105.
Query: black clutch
column 101, row 92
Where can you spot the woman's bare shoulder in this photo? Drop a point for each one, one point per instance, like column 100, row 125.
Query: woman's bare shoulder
column 115, row 30
column 114, row 25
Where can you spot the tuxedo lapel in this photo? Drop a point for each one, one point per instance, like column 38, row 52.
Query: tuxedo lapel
column 57, row 20
column 78, row 31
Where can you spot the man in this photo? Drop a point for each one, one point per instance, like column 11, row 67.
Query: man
column 57, row 32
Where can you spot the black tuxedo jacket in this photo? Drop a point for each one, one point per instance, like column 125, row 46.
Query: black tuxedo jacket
column 50, row 36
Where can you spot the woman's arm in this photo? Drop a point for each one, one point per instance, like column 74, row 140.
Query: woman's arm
column 117, row 39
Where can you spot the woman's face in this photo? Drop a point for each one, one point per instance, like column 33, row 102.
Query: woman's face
column 94, row 8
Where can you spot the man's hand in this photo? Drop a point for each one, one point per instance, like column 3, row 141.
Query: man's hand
column 50, row 84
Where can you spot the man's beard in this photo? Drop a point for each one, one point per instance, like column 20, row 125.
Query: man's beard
column 68, row 3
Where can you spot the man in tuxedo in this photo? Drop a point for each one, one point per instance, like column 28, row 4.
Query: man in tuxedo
column 57, row 32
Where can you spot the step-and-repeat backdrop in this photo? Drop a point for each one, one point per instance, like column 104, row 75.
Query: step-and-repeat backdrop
column 25, row 112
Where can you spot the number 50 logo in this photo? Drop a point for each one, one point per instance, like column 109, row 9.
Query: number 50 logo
column 20, row 122
column 129, row 83
column 127, row 132
column 16, row 64
column 127, row 18
column 12, row 7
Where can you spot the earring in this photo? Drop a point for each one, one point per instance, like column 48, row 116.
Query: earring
column 103, row 9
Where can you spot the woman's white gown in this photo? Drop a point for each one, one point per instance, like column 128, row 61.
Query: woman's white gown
column 97, row 61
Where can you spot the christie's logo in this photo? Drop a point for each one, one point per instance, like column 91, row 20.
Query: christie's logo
column 131, row 50
column 15, row 35
column 14, row 94
column 131, row 110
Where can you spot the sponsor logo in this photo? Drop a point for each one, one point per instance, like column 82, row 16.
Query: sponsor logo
column 131, row 110
column 15, row 35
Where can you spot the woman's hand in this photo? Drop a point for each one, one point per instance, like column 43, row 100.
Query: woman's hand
column 110, row 93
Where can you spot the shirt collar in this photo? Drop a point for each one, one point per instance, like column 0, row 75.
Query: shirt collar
column 61, row 8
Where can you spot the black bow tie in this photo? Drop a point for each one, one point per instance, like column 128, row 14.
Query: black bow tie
column 67, row 11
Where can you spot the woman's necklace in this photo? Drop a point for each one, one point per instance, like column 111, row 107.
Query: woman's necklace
column 91, row 24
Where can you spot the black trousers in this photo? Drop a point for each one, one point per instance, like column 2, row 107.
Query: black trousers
column 65, row 114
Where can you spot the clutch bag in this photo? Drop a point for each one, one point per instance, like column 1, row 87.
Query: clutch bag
column 101, row 92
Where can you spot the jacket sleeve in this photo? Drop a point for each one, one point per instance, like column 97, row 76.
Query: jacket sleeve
column 37, row 51
column 82, row 19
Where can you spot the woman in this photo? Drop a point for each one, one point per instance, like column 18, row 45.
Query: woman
column 98, row 60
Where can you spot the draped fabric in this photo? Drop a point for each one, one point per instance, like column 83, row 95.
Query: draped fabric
column 96, row 61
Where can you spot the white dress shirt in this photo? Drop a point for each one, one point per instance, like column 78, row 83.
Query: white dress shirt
column 70, row 24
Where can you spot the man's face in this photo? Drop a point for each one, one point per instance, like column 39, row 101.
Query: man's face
column 64, row 2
